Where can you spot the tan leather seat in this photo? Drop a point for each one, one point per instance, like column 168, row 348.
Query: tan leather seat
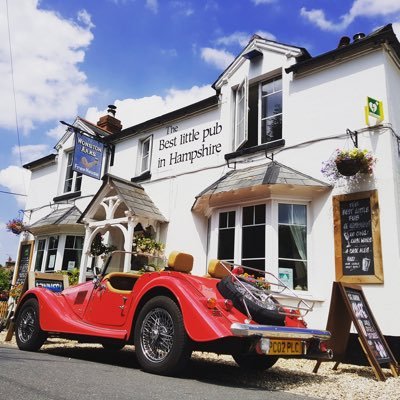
column 181, row 262
column 217, row 270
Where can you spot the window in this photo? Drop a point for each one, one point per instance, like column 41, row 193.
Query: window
column 292, row 238
column 241, row 105
column 276, row 244
column 226, row 237
column 253, row 237
column 41, row 246
column 145, row 155
column 258, row 113
column 73, row 179
column 72, row 252
column 52, row 253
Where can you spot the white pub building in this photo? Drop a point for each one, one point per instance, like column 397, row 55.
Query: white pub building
column 238, row 176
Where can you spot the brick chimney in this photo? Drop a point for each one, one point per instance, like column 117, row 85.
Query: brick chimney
column 109, row 122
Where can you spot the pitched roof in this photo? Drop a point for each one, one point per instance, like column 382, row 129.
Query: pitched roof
column 63, row 216
column 255, row 183
column 132, row 194
column 376, row 39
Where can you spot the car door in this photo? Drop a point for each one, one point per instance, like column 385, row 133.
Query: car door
column 111, row 300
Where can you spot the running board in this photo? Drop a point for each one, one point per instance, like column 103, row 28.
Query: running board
column 281, row 332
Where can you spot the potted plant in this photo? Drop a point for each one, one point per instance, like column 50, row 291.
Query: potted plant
column 348, row 164
column 15, row 226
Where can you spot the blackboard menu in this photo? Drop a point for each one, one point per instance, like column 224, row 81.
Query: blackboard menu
column 23, row 264
column 357, row 237
column 367, row 326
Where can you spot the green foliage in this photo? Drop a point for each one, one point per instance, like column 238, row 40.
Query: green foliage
column 5, row 279
column 98, row 247
column 147, row 245
column 73, row 276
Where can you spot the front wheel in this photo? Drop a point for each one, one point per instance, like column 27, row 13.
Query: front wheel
column 161, row 342
column 28, row 334
column 254, row 362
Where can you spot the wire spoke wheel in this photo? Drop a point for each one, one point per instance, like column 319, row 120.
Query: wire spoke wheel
column 162, row 345
column 157, row 335
column 27, row 325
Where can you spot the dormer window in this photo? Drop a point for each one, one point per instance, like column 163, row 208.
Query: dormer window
column 258, row 113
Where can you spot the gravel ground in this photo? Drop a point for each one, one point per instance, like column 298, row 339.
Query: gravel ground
column 294, row 376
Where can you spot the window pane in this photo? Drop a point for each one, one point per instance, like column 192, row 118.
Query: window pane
column 71, row 259
column 256, row 264
column 40, row 254
column 267, row 88
column 278, row 84
column 248, row 215
column 259, row 214
column 226, row 244
column 299, row 269
column 78, row 181
column 292, row 242
column 271, row 129
column 70, row 242
column 253, row 241
column 292, row 214
column 226, row 236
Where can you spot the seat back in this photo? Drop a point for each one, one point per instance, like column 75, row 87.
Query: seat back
column 217, row 270
column 181, row 262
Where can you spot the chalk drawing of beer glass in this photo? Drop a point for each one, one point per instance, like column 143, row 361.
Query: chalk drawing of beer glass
column 347, row 237
column 366, row 262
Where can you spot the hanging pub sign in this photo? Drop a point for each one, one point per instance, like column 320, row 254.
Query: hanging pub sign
column 358, row 254
column 88, row 155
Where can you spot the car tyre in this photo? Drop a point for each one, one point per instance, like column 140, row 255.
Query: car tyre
column 254, row 362
column 162, row 345
column 28, row 334
column 263, row 308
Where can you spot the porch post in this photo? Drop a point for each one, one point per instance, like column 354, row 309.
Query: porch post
column 85, row 254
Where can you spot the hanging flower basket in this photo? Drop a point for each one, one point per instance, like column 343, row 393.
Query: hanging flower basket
column 348, row 167
column 348, row 164
column 15, row 226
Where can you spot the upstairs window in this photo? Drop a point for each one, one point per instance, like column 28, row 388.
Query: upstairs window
column 145, row 155
column 258, row 113
column 73, row 179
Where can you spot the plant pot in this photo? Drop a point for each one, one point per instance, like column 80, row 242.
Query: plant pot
column 348, row 167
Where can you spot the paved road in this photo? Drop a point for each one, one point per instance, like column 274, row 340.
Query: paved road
column 88, row 373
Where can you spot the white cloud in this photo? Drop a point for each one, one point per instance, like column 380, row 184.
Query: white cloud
column 46, row 51
column 184, row 8
column 242, row 38
column 218, row 58
column 266, row 35
column 258, row 2
column 31, row 152
column 360, row 8
column 169, row 52
column 16, row 180
column 152, row 5
column 134, row 111
column 57, row 132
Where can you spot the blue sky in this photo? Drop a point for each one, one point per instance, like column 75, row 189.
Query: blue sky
column 60, row 59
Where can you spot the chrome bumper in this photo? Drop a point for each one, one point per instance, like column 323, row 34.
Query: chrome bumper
column 281, row 332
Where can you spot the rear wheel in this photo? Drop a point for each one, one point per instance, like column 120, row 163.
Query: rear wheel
column 161, row 343
column 28, row 334
column 254, row 362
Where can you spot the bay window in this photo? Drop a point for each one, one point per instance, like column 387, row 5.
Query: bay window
column 269, row 237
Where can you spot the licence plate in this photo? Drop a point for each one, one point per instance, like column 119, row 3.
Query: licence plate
column 285, row 347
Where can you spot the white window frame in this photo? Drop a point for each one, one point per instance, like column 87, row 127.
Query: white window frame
column 271, row 234
column 240, row 126
column 75, row 183
column 260, row 106
column 142, row 142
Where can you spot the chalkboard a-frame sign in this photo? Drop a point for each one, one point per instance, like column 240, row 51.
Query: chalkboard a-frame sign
column 358, row 254
column 349, row 305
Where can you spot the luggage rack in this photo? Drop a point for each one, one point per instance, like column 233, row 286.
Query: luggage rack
column 271, row 286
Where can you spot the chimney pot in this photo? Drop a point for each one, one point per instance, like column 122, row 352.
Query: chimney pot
column 358, row 36
column 109, row 122
column 344, row 41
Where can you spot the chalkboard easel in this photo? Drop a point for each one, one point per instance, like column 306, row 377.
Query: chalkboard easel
column 349, row 305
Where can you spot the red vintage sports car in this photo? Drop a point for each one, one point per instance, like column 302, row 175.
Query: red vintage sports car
column 170, row 313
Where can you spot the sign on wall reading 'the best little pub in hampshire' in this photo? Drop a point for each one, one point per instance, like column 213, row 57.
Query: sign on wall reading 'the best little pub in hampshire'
column 188, row 147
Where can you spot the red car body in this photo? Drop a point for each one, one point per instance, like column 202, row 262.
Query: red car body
column 108, row 309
